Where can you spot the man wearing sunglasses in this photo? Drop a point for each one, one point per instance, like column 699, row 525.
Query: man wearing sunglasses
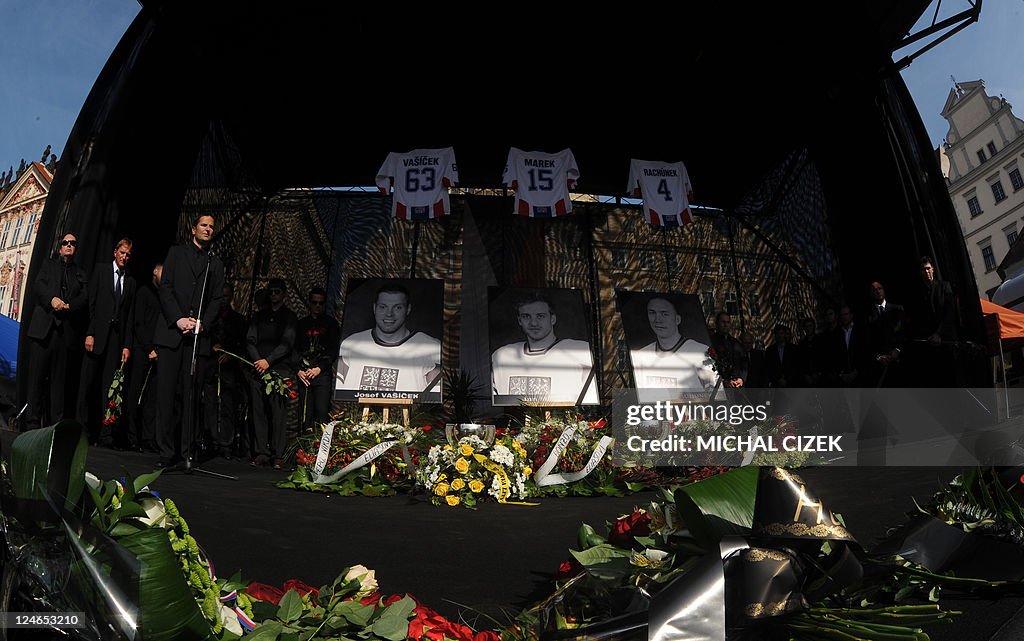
column 316, row 348
column 55, row 332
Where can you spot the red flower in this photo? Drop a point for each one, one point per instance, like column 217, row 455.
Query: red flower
column 264, row 592
column 316, row 332
column 111, row 404
column 288, row 382
column 712, row 353
column 370, row 599
column 568, row 569
column 301, row 588
column 309, row 332
column 394, row 598
column 596, row 425
column 293, row 394
column 487, row 635
column 427, row 428
column 625, row 528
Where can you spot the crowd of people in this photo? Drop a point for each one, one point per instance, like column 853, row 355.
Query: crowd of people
column 885, row 345
column 169, row 366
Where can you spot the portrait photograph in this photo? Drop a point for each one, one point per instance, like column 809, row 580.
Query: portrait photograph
column 540, row 347
column 391, row 340
column 668, row 341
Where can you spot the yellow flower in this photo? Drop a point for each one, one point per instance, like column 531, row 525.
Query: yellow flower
column 447, row 448
column 527, row 470
column 441, row 489
column 462, row 466
column 458, row 484
column 476, row 486
column 466, row 449
column 452, row 500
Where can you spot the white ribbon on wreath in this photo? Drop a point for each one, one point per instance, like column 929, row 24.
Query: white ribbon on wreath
column 543, row 476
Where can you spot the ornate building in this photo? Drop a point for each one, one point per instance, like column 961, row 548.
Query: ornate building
column 22, row 196
column 985, row 153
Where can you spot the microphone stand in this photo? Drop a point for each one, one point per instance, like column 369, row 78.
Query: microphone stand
column 193, row 408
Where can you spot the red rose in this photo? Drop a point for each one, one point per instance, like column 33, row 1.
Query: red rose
column 370, row 599
column 301, row 588
column 293, row 394
column 309, row 332
column 264, row 592
column 288, row 382
column 394, row 598
column 596, row 425
column 626, row 527
column 316, row 332
column 568, row 569
column 427, row 428
column 487, row 635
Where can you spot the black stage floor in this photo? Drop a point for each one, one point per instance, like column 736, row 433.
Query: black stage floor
column 494, row 558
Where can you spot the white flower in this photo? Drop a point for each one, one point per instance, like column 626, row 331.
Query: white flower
column 154, row 508
column 502, row 455
column 229, row 618
column 495, row 488
column 367, row 580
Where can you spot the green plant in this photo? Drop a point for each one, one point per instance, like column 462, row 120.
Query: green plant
column 461, row 394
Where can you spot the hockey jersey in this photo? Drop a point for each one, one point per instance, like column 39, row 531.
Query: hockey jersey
column 421, row 179
column 666, row 190
column 542, row 181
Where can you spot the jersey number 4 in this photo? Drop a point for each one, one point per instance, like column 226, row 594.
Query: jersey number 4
column 664, row 190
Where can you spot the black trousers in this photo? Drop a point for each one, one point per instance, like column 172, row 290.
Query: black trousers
column 224, row 390
column 97, row 373
column 140, row 405
column 48, row 369
column 269, row 414
column 316, row 399
column 177, row 399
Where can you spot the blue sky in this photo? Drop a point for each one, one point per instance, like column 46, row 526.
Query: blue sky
column 52, row 50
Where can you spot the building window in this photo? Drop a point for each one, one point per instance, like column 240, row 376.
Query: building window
column 618, row 259
column 732, row 304
column 648, row 262
column 997, row 191
column 1011, row 237
column 671, row 263
column 703, row 264
column 989, row 257
column 992, row 148
column 1015, row 179
column 981, row 155
column 31, row 227
column 7, row 231
column 17, row 230
column 974, row 206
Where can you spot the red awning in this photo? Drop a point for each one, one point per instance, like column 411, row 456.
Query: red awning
column 1010, row 325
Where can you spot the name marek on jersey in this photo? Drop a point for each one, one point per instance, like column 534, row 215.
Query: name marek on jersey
column 538, row 162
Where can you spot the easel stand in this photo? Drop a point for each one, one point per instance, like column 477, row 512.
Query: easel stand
column 386, row 404
column 547, row 406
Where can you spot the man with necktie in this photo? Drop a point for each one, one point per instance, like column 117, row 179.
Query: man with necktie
column 108, row 339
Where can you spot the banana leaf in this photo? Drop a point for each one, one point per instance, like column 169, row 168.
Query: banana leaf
column 719, row 505
column 166, row 606
column 50, row 461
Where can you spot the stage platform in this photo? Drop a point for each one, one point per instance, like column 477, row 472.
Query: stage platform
column 493, row 559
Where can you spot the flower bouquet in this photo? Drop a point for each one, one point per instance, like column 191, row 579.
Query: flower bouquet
column 273, row 382
column 115, row 396
column 470, row 471
column 573, row 457
column 372, row 459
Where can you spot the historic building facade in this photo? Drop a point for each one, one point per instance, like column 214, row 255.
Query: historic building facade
column 21, row 204
column 985, row 153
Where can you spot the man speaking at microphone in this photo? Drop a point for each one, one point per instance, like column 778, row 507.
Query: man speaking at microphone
column 191, row 291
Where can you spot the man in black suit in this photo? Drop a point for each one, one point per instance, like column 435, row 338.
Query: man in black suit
column 224, row 387
column 851, row 351
column 886, row 334
column 934, row 330
column 61, row 298
column 141, row 408
column 316, row 348
column 729, row 348
column 782, row 360
column 108, row 340
column 191, row 292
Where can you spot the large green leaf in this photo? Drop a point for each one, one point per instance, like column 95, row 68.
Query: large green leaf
column 167, row 608
column 354, row 612
column 719, row 505
column 50, row 460
column 290, row 607
column 393, row 624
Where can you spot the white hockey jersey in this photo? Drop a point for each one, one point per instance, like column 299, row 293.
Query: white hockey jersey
column 421, row 179
column 666, row 190
column 542, row 181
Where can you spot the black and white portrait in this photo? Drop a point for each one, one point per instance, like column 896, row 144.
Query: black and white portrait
column 668, row 343
column 389, row 345
column 540, row 347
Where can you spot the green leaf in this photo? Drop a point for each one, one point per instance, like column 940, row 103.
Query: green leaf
column 290, row 607
column 143, row 480
column 600, row 554
column 32, row 475
column 587, row 537
column 393, row 624
column 354, row 612
column 266, row 632
column 719, row 505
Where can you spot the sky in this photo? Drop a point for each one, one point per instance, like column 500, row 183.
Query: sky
column 51, row 52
